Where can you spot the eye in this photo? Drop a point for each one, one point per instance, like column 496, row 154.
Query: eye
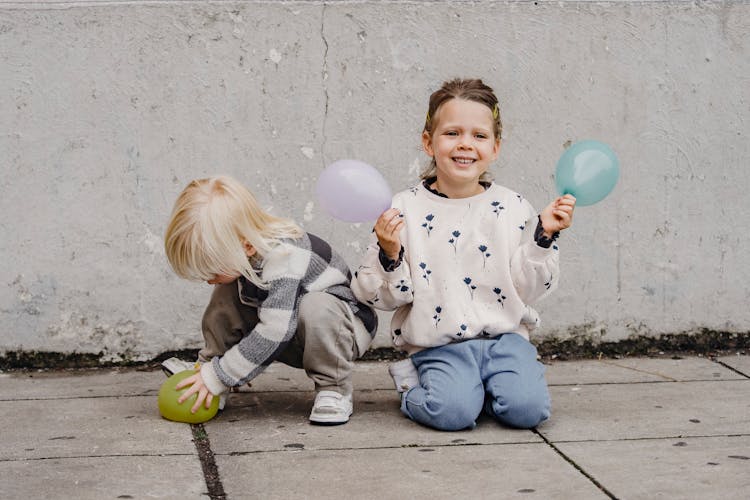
column 480, row 136
column 452, row 133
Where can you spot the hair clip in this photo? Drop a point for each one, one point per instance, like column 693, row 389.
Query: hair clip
column 427, row 119
column 495, row 112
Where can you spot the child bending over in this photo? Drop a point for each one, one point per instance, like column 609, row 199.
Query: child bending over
column 279, row 294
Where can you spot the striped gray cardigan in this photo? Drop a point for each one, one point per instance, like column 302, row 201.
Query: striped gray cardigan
column 292, row 269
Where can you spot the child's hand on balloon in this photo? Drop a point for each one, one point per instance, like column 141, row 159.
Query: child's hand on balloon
column 197, row 386
column 558, row 215
column 387, row 228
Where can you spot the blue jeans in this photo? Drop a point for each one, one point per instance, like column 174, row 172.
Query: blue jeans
column 456, row 381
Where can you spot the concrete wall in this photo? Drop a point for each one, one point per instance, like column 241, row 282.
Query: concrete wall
column 108, row 109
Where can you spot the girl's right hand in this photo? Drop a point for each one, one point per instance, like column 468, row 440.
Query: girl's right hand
column 387, row 229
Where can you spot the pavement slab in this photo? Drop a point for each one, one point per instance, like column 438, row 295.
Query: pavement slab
column 96, row 478
column 634, row 370
column 280, row 377
column 625, row 428
column 86, row 427
column 648, row 410
column 701, row 467
column 276, row 421
column 79, row 384
column 522, row 471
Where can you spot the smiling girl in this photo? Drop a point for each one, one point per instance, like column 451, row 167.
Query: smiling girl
column 461, row 259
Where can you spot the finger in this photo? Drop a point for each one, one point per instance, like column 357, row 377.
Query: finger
column 567, row 203
column 569, row 198
column 185, row 382
column 209, row 398
column 198, row 401
column 394, row 225
column 187, row 394
column 389, row 214
column 564, row 209
column 397, row 228
column 562, row 215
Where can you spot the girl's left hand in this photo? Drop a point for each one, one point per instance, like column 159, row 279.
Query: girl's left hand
column 558, row 215
column 197, row 386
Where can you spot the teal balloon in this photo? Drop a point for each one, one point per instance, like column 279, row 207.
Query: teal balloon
column 588, row 170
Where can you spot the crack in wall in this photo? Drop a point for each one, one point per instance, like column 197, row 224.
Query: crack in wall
column 324, row 79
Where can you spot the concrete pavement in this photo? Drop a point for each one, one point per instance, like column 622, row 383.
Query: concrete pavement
column 624, row 428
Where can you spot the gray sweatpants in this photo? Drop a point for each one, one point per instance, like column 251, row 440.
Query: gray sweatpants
column 328, row 339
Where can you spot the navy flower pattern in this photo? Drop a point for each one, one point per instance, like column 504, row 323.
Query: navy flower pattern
column 461, row 330
column 436, row 317
column 428, row 223
column 485, row 254
column 497, row 207
column 500, row 297
column 454, row 241
column 471, row 287
column 425, row 272
column 374, row 300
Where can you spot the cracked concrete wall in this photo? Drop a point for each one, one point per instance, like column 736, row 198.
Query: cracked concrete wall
column 107, row 110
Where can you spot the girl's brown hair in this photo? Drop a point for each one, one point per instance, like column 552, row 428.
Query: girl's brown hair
column 471, row 89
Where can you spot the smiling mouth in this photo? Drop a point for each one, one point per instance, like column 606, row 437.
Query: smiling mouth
column 463, row 161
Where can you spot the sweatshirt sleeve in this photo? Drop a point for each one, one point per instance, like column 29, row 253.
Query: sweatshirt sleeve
column 535, row 270
column 384, row 290
column 277, row 324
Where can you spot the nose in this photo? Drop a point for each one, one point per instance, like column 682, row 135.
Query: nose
column 466, row 142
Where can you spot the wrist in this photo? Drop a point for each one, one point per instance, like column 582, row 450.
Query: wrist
column 543, row 237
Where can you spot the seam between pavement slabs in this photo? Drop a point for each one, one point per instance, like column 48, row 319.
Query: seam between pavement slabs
column 208, row 463
column 79, row 457
column 295, row 449
column 576, row 466
column 735, row 370
column 649, row 438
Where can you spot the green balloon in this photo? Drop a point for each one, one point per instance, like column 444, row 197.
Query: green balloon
column 172, row 410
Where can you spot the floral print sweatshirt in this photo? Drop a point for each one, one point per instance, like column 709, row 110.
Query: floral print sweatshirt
column 470, row 268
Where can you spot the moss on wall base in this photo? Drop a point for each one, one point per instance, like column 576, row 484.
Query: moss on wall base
column 705, row 342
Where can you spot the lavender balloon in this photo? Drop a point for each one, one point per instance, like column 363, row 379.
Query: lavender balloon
column 353, row 191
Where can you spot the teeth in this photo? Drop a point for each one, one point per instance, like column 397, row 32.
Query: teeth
column 464, row 161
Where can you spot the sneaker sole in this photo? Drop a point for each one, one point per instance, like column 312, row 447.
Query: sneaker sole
column 328, row 423
column 328, row 419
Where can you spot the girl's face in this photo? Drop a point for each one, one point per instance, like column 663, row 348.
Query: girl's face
column 463, row 143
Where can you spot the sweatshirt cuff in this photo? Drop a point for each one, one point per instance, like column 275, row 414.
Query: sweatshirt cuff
column 538, row 254
column 539, row 237
column 390, row 265
column 211, row 379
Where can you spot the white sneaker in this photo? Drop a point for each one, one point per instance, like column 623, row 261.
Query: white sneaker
column 176, row 365
column 331, row 408
column 404, row 375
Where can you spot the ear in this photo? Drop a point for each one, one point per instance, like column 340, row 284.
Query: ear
column 427, row 143
column 496, row 150
column 249, row 249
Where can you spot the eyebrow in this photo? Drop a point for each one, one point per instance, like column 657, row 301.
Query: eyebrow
column 449, row 126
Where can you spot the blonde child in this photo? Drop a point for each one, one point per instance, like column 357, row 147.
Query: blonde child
column 461, row 259
column 279, row 294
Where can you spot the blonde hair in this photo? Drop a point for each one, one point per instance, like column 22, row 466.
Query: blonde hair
column 472, row 89
column 210, row 223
